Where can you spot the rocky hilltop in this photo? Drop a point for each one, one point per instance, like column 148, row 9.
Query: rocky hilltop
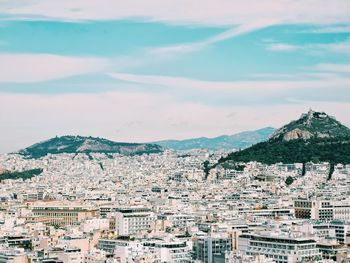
column 315, row 137
column 311, row 125
column 80, row 144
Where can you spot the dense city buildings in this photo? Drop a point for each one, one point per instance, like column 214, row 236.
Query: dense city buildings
column 164, row 208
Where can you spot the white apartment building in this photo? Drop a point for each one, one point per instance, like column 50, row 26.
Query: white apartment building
column 168, row 251
column 342, row 230
column 124, row 250
column 14, row 255
column 71, row 256
column 131, row 221
column 282, row 249
column 322, row 209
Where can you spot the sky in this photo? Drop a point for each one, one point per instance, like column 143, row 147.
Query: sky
column 141, row 71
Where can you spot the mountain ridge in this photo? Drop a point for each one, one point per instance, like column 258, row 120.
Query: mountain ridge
column 83, row 144
column 228, row 142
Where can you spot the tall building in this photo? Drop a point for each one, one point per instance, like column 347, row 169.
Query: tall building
column 205, row 248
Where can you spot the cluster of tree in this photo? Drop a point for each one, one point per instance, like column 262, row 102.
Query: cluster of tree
column 332, row 150
column 206, row 168
column 238, row 166
column 20, row 175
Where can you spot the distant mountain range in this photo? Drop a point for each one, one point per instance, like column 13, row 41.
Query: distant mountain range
column 228, row 142
column 80, row 144
column 315, row 136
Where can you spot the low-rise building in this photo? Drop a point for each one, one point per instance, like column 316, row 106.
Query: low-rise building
column 63, row 214
column 280, row 248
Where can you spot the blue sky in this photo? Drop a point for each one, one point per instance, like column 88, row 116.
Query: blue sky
column 150, row 70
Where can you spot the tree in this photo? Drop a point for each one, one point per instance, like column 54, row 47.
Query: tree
column 289, row 180
column 331, row 171
column 303, row 171
column 206, row 168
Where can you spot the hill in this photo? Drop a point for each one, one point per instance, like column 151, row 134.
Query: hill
column 80, row 144
column 229, row 142
column 315, row 136
column 312, row 125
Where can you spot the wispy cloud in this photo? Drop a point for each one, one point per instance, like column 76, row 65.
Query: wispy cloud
column 183, row 105
column 61, row 115
column 329, row 30
column 340, row 47
column 234, row 86
column 337, row 47
column 282, row 47
column 204, row 12
column 21, row 68
column 191, row 47
column 340, row 68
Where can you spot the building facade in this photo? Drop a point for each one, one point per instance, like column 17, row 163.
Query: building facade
column 280, row 249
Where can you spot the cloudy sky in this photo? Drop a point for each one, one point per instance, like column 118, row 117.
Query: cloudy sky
column 158, row 69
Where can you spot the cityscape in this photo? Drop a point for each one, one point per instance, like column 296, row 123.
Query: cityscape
column 165, row 131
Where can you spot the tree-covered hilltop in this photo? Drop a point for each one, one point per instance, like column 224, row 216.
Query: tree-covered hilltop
column 333, row 150
column 315, row 137
column 20, row 175
column 80, row 144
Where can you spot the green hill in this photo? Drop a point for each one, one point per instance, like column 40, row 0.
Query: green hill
column 298, row 151
column 315, row 136
column 80, row 144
